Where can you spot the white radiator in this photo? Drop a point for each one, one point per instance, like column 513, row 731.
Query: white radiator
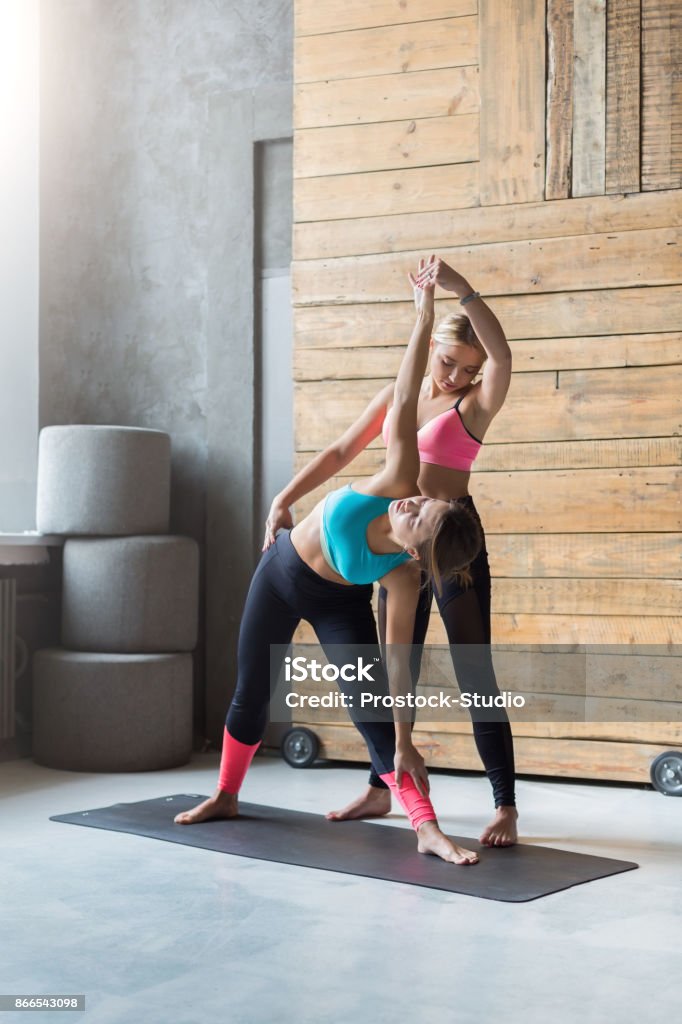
column 8, row 619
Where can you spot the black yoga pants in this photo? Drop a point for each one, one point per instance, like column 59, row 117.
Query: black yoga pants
column 465, row 612
column 283, row 591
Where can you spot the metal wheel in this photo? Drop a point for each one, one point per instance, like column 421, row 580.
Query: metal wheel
column 300, row 747
column 666, row 773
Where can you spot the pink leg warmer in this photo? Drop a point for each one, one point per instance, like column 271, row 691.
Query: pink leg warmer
column 234, row 762
column 417, row 807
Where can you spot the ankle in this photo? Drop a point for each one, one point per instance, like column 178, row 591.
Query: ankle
column 428, row 827
column 223, row 795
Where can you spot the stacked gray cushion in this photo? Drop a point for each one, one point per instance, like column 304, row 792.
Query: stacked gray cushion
column 121, row 698
column 103, row 480
column 111, row 713
column 130, row 594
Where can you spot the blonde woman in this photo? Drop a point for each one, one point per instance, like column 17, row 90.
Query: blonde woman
column 468, row 378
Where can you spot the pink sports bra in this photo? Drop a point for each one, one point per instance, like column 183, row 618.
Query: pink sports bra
column 444, row 440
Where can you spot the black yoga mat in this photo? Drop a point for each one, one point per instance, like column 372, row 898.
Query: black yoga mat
column 513, row 873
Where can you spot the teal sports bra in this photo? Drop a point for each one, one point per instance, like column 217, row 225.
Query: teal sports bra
column 346, row 514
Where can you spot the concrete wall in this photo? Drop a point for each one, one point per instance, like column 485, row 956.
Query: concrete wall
column 18, row 264
column 150, row 115
column 274, row 399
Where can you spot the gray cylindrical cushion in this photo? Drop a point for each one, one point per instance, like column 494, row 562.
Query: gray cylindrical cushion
column 130, row 594
column 111, row 713
column 97, row 480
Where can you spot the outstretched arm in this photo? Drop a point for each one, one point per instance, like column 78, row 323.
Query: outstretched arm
column 327, row 464
column 401, row 471
column 402, row 587
column 492, row 391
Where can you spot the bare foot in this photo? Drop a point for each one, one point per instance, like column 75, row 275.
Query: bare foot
column 430, row 839
column 373, row 803
column 220, row 805
column 502, row 829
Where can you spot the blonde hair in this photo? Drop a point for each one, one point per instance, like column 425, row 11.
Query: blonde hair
column 456, row 329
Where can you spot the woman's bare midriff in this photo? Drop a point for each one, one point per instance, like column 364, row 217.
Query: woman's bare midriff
column 306, row 540
column 443, row 483
column 434, row 482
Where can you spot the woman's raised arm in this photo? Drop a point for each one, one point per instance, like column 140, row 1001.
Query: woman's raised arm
column 327, row 464
column 490, row 394
column 401, row 472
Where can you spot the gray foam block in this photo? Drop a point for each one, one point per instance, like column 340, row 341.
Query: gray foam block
column 101, row 480
column 130, row 594
column 111, row 713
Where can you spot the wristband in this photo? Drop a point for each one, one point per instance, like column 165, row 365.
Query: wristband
column 469, row 298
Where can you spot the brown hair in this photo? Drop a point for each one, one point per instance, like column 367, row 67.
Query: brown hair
column 456, row 329
column 455, row 543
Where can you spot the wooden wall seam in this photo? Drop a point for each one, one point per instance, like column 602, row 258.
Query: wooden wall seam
column 589, row 98
column 559, row 126
column 623, row 95
column 661, row 95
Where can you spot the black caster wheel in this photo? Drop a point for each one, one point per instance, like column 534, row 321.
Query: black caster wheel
column 300, row 748
column 666, row 773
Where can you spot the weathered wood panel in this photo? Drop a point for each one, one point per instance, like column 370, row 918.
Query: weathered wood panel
column 379, row 193
column 581, row 501
column 567, row 629
column 579, row 629
column 353, row 149
column 613, row 260
column 417, row 94
column 559, row 98
column 549, row 727
column 323, row 16
column 534, row 355
column 388, row 50
column 589, row 443
column 623, row 73
column 585, row 556
column 661, row 94
column 590, row 404
column 643, row 401
column 571, row 758
column 367, row 233
column 585, row 501
column 598, row 352
column 589, row 98
column 589, row 596
column 640, row 690
column 552, row 314
column 618, row 452
column 512, row 69
column 538, row 455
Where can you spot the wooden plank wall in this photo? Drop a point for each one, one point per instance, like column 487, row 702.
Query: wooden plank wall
column 537, row 148
column 434, row 126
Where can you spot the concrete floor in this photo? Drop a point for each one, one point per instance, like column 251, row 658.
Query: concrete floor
column 153, row 932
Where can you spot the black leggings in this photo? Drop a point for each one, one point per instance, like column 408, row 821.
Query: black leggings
column 283, row 591
column 465, row 612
